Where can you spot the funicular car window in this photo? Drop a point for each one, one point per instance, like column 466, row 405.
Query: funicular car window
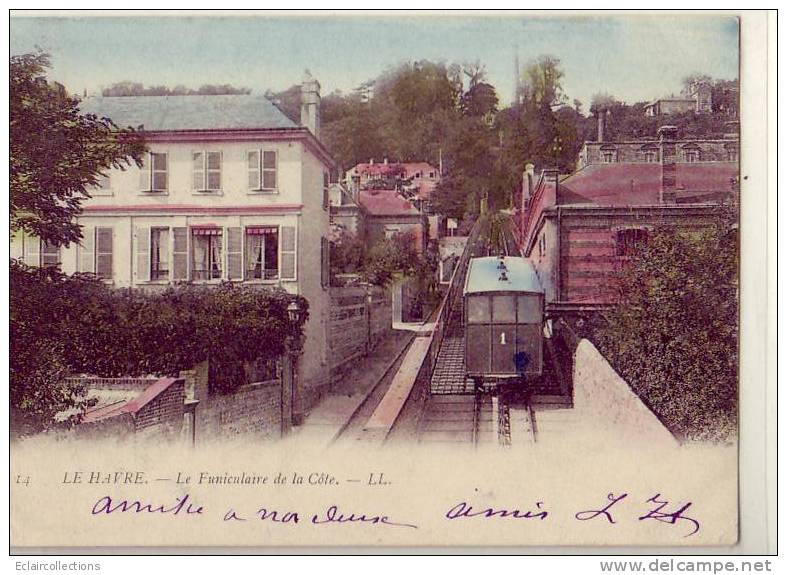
column 503, row 309
column 478, row 309
column 529, row 309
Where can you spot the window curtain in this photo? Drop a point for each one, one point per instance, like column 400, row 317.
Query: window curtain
column 255, row 252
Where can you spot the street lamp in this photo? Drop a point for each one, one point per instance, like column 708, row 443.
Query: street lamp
column 294, row 311
column 291, row 394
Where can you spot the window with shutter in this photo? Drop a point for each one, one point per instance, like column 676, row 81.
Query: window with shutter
column 213, row 169
column 144, row 175
column 104, row 253
column 159, row 254
column 143, row 254
column 253, row 158
column 50, row 254
column 269, row 161
column 288, row 253
column 87, row 249
column 31, row 250
column 158, row 169
column 198, row 177
column 234, row 253
column 206, row 172
column 180, row 254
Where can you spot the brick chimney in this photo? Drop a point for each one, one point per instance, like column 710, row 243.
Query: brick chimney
column 310, row 104
column 600, row 126
column 668, row 154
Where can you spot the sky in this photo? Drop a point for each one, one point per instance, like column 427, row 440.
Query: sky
column 634, row 58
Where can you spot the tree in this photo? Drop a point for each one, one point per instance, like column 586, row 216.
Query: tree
column 126, row 88
column 674, row 334
column 542, row 82
column 57, row 153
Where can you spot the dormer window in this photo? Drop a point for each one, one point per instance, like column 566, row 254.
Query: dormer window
column 691, row 154
column 650, row 154
column 609, row 154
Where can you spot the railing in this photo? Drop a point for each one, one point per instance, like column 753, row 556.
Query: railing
column 444, row 311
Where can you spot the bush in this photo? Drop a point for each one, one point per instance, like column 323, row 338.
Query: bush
column 674, row 335
column 77, row 325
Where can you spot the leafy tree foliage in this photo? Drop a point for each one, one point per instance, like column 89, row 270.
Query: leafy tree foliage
column 674, row 335
column 127, row 88
column 76, row 324
column 57, row 154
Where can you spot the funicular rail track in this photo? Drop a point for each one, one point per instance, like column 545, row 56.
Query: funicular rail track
column 430, row 399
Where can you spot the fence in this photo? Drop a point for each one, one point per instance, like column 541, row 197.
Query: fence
column 359, row 318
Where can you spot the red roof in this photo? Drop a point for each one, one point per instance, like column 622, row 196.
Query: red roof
column 386, row 203
column 132, row 406
column 409, row 168
column 630, row 184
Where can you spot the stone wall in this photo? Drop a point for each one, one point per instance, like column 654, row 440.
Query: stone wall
column 253, row 409
column 356, row 324
column 163, row 415
column 605, row 399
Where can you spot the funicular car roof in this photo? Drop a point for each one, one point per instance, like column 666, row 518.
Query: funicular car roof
column 483, row 276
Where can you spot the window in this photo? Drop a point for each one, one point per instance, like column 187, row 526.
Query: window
column 95, row 252
column 503, row 309
column 478, row 309
column 431, row 175
column 206, row 253
column 609, row 156
column 153, row 174
column 35, row 252
column 650, row 155
column 206, row 171
column 262, row 252
column 262, row 168
column 691, row 154
column 50, row 255
column 732, row 154
column 159, row 254
column 629, row 241
column 104, row 253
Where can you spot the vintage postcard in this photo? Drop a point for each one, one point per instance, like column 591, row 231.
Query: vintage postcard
column 383, row 279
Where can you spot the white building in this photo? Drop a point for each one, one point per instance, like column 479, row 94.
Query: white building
column 231, row 189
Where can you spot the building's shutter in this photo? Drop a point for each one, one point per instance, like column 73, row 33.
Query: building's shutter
column 198, row 178
column 235, row 253
column 144, row 174
column 213, row 170
column 143, row 254
column 104, row 253
column 325, row 262
column 287, row 252
column 17, row 245
column 87, row 256
column 253, row 159
column 32, row 251
column 180, row 253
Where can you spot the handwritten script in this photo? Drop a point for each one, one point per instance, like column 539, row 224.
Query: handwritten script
column 655, row 508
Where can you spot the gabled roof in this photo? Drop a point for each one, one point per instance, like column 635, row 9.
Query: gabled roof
column 173, row 113
column 632, row 184
column 386, row 203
